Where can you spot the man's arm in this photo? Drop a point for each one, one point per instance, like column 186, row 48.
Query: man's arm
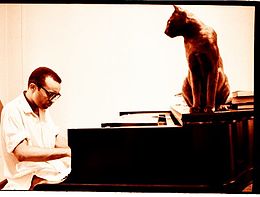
column 24, row 152
column 61, row 142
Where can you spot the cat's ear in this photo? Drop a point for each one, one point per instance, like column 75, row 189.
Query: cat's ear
column 176, row 8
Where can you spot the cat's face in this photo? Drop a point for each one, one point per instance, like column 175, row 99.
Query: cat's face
column 176, row 23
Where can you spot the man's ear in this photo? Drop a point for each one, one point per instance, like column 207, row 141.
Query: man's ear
column 32, row 86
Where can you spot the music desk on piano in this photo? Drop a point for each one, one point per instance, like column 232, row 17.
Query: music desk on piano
column 179, row 152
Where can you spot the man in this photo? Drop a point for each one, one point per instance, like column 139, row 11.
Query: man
column 32, row 149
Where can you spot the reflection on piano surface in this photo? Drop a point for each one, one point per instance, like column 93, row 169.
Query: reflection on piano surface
column 163, row 152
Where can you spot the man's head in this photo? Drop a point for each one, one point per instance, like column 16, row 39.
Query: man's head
column 44, row 87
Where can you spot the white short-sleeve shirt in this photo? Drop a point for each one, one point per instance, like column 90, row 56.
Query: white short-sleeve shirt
column 18, row 122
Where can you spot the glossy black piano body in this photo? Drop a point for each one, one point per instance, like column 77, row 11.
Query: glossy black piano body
column 207, row 156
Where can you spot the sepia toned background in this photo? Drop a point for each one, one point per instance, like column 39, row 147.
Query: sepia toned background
column 113, row 58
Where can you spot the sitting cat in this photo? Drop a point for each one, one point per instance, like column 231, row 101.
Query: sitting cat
column 206, row 87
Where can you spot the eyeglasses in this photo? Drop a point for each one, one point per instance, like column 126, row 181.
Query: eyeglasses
column 52, row 96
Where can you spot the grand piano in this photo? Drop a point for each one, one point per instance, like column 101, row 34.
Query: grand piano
column 163, row 151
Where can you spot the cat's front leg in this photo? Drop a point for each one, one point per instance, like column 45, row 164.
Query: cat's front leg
column 187, row 95
column 194, row 78
column 209, row 109
column 195, row 109
column 223, row 91
column 212, row 82
column 196, row 92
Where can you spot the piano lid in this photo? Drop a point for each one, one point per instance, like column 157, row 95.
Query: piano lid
column 141, row 118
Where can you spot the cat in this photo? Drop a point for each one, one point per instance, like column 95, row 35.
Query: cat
column 206, row 88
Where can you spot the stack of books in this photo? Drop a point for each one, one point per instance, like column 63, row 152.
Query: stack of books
column 184, row 117
column 242, row 99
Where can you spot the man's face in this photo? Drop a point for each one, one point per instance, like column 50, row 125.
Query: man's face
column 47, row 94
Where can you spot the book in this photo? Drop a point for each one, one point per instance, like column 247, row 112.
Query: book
column 242, row 100
column 242, row 97
column 242, row 93
column 242, row 106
